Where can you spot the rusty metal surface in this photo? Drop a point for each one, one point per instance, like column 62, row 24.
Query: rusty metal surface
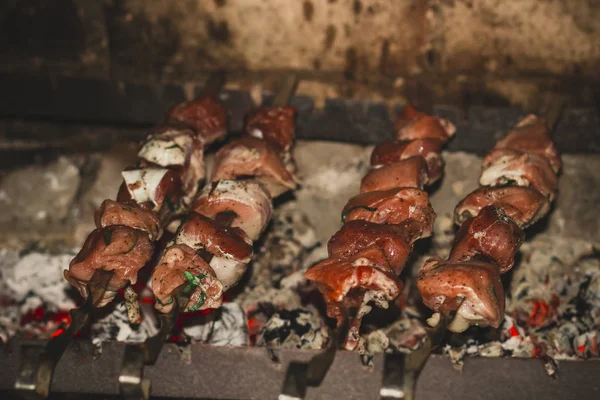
column 248, row 373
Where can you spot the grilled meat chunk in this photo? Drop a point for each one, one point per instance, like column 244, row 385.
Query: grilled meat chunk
column 410, row 172
column 491, row 235
column 154, row 186
column 430, row 149
column 532, row 135
column 413, row 124
column 252, row 157
column 394, row 241
column 345, row 282
column 472, row 287
column 206, row 116
column 503, row 166
column 246, row 199
column 524, row 205
column 182, row 269
column 392, row 207
column 129, row 214
column 276, row 125
column 117, row 248
column 230, row 247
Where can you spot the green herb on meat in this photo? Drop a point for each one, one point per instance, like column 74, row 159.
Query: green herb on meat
column 165, row 304
column 175, row 146
column 199, row 303
column 107, row 237
column 194, row 280
column 133, row 245
column 172, row 207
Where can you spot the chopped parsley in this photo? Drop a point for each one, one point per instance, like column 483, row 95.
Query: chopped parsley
column 107, row 237
column 194, row 281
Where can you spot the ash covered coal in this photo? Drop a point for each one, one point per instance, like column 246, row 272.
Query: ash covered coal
column 276, row 281
column 294, row 329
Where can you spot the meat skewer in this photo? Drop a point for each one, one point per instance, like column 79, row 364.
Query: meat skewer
column 384, row 220
column 380, row 226
column 165, row 180
column 518, row 181
column 213, row 244
column 491, row 219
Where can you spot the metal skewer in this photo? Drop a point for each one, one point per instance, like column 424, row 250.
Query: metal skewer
column 37, row 368
column 132, row 384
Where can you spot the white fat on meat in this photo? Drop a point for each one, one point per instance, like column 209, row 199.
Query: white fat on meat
column 257, row 133
column 178, row 148
column 471, row 312
column 501, row 172
column 143, row 183
column 251, row 203
column 167, row 148
column 228, row 271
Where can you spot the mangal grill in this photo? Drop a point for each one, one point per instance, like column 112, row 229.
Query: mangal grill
column 66, row 140
column 545, row 346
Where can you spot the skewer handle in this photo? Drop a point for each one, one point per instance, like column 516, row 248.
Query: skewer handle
column 214, row 83
column 286, row 90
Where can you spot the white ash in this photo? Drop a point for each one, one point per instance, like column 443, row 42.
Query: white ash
column 226, row 326
column 40, row 275
column 295, row 329
column 115, row 326
column 10, row 322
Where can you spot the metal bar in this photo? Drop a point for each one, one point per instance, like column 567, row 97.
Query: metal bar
column 209, row 372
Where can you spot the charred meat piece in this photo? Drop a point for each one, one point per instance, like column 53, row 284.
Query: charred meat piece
column 246, row 199
column 411, row 172
column 116, row 248
column 392, row 207
column 179, row 149
column 230, row 247
column 491, row 235
column 129, row 214
column 444, row 284
column 430, row 149
column 412, row 124
column 182, row 269
column 394, row 241
column 355, row 280
column 276, row 125
column 252, row 157
column 206, row 116
column 155, row 186
column 501, row 167
column 524, row 205
column 532, row 135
